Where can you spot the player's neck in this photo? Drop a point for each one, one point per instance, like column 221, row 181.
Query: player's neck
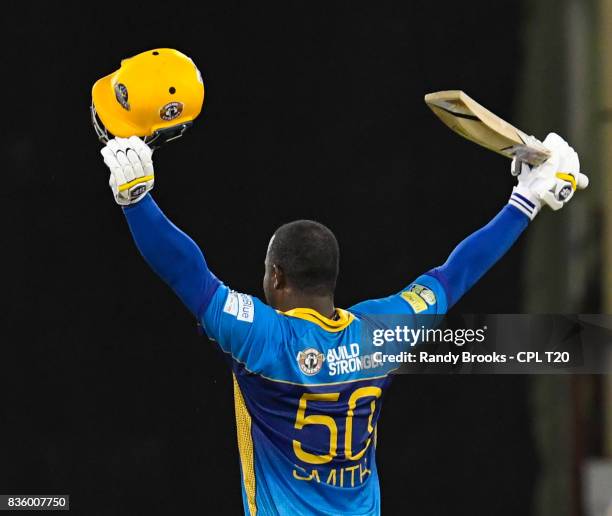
column 322, row 304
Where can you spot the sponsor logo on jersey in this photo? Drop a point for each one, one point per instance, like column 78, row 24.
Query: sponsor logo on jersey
column 310, row 361
column 231, row 303
column 347, row 359
column 171, row 111
column 417, row 303
column 425, row 293
column 246, row 308
column 241, row 306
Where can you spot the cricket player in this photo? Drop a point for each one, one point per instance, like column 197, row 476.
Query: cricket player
column 307, row 396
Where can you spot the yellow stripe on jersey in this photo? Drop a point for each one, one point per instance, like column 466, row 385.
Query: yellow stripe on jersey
column 245, row 446
column 308, row 314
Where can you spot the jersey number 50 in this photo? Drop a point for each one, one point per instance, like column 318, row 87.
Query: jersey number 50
column 301, row 420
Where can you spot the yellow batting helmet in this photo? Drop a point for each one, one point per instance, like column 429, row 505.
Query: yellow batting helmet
column 155, row 95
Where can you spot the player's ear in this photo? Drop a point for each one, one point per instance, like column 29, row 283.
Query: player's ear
column 278, row 277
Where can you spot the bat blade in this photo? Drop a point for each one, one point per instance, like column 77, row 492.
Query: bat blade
column 469, row 119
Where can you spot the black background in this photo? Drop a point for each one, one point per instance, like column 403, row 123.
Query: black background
column 313, row 110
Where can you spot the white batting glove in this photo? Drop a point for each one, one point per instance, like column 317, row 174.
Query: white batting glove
column 131, row 168
column 553, row 183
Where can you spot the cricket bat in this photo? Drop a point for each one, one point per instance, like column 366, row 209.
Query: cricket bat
column 472, row 121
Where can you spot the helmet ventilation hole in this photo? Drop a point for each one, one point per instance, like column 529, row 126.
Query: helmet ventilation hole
column 156, row 53
column 172, row 90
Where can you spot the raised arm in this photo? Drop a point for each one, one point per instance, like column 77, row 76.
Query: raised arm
column 475, row 255
column 174, row 256
column 552, row 184
column 170, row 253
column 244, row 327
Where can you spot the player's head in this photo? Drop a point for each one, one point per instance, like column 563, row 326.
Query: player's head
column 302, row 259
column 155, row 95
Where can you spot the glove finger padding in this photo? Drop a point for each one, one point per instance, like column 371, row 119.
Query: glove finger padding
column 131, row 169
column 143, row 150
column 126, row 167
column 145, row 154
column 110, row 160
column 135, row 162
column 556, row 145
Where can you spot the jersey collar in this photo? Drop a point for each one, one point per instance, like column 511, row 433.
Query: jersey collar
column 308, row 314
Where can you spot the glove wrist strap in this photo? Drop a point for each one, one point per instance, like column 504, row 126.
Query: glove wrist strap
column 525, row 201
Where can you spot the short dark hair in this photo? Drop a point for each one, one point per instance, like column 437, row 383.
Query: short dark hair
column 308, row 254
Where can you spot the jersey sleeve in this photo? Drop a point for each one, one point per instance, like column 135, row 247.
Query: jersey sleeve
column 424, row 296
column 243, row 326
column 172, row 254
column 439, row 289
column 475, row 255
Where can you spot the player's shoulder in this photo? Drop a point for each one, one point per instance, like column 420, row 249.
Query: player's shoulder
column 239, row 321
column 244, row 307
column 426, row 295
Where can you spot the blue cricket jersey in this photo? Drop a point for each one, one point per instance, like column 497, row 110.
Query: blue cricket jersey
column 308, row 392
column 308, row 389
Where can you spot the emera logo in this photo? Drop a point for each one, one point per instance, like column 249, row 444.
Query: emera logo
column 310, row 361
